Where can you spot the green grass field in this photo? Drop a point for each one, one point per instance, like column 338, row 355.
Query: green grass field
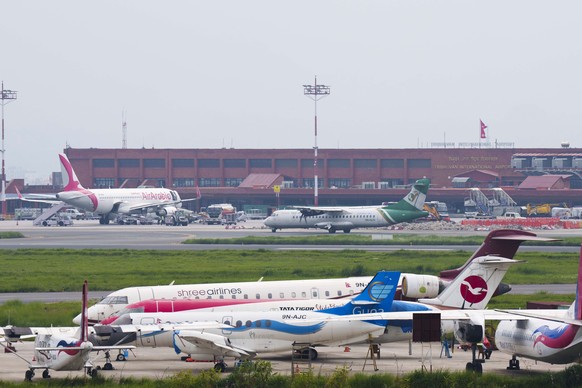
column 354, row 239
column 27, row 270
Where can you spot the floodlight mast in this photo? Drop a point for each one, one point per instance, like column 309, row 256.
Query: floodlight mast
column 316, row 92
column 7, row 97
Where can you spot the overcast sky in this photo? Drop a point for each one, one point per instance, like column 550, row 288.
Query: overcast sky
column 208, row 74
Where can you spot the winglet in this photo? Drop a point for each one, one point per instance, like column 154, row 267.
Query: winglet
column 70, row 180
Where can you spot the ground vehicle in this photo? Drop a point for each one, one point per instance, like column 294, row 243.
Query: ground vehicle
column 27, row 213
column 437, row 211
column 510, row 215
column 74, row 214
column 63, row 220
column 222, row 213
column 178, row 218
column 542, row 210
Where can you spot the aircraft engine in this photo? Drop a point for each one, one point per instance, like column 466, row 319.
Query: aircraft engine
column 470, row 331
column 166, row 211
column 420, row 286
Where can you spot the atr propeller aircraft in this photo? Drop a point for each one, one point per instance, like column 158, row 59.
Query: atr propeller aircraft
column 347, row 218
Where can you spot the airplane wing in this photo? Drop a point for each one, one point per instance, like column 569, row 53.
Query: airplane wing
column 214, row 343
column 144, row 205
column 310, row 211
column 446, row 315
column 40, row 198
column 525, row 315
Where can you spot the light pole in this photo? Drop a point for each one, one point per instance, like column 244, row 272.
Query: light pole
column 7, row 97
column 316, row 92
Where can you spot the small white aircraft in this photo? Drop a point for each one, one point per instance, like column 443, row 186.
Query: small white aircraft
column 347, row 218
column 553, row 336
column 55, row 351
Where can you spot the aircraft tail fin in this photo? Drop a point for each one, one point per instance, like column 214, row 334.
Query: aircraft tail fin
column 415, row 199
column 70, row 180
column 502, row 242
column 376, row 297
column 475, row 285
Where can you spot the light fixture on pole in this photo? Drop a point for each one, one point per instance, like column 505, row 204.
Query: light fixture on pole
column 6, row 97
column 316, row 92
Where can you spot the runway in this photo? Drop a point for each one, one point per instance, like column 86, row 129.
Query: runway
column 89, row 234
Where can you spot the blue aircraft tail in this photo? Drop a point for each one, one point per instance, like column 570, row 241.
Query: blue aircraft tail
column 377, row 297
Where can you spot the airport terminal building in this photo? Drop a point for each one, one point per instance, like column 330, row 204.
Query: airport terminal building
column 345, row 176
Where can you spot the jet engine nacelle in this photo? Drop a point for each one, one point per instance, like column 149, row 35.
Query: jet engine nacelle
column 470, row 331
column 166, row 211
column 420, row 286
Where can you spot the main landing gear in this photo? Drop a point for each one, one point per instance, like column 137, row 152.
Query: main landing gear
column 307, row 354
column 476, row 365
column 513, row 364
column 220, row 366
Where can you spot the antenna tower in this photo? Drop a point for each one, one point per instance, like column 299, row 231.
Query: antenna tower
column 123, row 130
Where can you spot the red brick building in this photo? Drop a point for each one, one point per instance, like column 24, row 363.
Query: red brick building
column 346, row 176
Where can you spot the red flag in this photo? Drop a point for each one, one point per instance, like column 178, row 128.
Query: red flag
column 483, row 127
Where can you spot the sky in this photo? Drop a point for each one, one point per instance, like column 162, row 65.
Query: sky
column 212, row 74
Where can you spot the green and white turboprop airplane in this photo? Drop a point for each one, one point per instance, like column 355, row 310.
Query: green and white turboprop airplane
column 347, row 218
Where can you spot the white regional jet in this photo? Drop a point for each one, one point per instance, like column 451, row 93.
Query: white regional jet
column 107, row 202
column 347, row 218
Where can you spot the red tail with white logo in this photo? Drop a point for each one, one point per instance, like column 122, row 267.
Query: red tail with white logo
column 70, row 180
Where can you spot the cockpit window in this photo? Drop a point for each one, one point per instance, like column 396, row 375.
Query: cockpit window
column 174, row 195
column 114, row 300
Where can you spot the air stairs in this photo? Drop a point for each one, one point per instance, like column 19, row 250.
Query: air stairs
column 478, row 200
column 502, row 203
column 48, row 213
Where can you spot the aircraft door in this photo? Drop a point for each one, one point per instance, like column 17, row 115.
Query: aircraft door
column 146, row 339
column 145, row 293
column 314, row 293
column 227, row 320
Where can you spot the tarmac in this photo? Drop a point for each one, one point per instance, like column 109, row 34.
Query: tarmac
column 395, row 358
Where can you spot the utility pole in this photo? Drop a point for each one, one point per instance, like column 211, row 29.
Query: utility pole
column 7, row 97
column 316, row 92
